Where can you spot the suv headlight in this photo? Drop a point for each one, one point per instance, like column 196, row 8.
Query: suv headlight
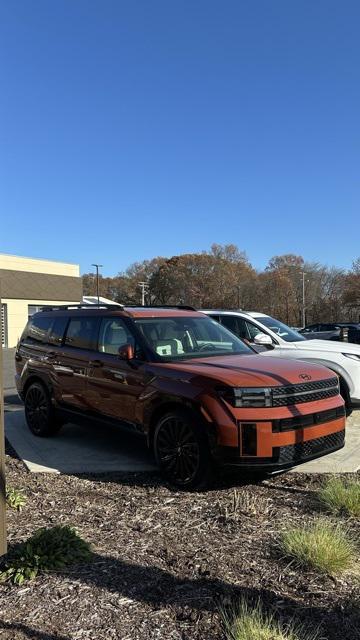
column 247, row 396
column 353, row 356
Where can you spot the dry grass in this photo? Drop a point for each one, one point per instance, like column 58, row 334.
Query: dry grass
column 243, row 503
column 252, row 623
column 341, row 496
column 320, row 545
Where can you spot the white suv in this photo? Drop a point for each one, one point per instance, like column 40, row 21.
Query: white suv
column 273, row 338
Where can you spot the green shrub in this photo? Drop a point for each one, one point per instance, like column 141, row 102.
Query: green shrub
column 46, row 550
column 15, row 498
column 319, row 545
column 252, row 623
column 341, row 496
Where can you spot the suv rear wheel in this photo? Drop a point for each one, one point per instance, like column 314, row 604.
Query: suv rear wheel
column 40, row 415
column 182, row 450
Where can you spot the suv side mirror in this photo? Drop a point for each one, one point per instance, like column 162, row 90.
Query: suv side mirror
column 263, row 339
column 126, row 352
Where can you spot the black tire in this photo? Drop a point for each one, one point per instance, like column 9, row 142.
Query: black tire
column 182, row 451
column 344, row 392
column 40, row 415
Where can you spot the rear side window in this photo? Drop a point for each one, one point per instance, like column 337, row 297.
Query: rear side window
column 37, row 329
column 58, row 330
column 236, row 325
column 82, row 333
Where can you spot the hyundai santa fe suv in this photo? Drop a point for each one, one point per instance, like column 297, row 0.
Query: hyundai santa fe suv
column 200, row 395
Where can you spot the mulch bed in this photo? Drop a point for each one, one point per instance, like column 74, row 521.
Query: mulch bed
column 165, row 561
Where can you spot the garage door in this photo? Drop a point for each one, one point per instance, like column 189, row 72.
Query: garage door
column 3, row 324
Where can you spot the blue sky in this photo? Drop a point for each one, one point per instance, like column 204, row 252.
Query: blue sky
column 157, row 127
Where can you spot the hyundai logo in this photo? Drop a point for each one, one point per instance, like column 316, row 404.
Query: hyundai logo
column 304, row 376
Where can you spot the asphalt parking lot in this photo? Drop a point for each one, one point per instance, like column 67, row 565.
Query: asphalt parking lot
column 99, row 449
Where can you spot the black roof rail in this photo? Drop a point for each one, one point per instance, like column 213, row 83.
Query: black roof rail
column 88, row 307
column 116, row 307
column 185, row 307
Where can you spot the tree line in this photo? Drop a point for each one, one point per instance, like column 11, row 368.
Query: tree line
column 223, row 278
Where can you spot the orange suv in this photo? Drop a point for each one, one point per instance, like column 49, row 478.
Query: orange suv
column 199, row 394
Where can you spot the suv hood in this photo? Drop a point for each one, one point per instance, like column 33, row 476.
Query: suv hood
column 252, row 370
column 326, row 345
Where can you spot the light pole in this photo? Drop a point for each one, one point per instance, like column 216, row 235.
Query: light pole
column 303, row 299
column 97, row 279
column 144, row 287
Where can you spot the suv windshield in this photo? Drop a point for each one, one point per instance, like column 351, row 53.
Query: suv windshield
column 281, row 329
column 186, row 337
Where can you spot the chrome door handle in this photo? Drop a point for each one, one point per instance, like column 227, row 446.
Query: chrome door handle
column 63, row 371
column 114, row 374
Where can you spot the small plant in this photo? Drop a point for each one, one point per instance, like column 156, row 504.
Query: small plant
column 320, row 545
column 252, row 623
column 46, row 550
column 243, row 504
column 341, row 496
column 15, row 498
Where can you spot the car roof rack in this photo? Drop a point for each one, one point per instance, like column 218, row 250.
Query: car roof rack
column 88, row 307
column 184, row 307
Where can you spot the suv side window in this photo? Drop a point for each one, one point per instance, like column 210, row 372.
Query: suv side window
column 236, row 325
column 114, row 334
column 37, row 330
column 254, row 330
column 58, row 329
column 312, row 327
column 82, row 333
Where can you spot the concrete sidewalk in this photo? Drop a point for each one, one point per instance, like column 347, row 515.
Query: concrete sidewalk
column 9, row 368
column 94, row 449
column 346, row 460
column 102, row 449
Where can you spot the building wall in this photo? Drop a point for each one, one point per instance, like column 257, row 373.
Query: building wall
column 24, row 285
column 31, row 281
column 36, row 265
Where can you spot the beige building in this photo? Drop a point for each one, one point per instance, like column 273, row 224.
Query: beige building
column 27, row 284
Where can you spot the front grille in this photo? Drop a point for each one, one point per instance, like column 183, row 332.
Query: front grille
column 300, row 422
column 287, row 456
column 302, row 450
column 305, row 392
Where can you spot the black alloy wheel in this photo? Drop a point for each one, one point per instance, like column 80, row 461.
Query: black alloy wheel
column 38, row 411
column 181, row 450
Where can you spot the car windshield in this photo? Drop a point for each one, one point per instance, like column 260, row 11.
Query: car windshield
column 281, row 329
column 189, row 337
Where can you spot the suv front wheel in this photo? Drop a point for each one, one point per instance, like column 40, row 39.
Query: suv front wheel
column 39, row 413
column 181, row 450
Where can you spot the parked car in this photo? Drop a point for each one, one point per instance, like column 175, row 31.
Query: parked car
column 331, row 331
column 198, row 393
column 274, row 338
